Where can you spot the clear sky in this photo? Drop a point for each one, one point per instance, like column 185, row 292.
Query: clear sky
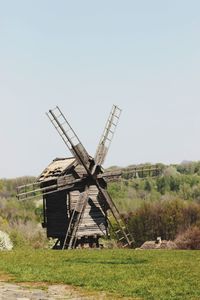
column 86, row 55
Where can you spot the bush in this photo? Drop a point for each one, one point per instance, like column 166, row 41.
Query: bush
column 17, row 239
column 190, row 239
column 162, row 218
column 28, row 235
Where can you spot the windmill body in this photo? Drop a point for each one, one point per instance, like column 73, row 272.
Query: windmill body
column 59, row 206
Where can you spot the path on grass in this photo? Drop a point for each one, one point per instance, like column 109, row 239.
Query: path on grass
column 9, row 291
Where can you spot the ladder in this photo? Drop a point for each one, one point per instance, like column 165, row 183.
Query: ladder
column 124, row 236
column 75, row 221
column 107, row 135
column 122, row 233
column 127, row 240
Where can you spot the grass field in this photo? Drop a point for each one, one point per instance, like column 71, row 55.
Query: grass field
column 137, row 274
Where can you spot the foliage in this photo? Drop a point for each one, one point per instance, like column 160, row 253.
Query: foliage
column 189, row 167
column 190, row 239
column 8, row 187
column 163, row 218
column 20, row 218
column 131, row 194
column 28, row 235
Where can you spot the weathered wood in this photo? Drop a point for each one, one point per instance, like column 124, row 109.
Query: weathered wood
column 107, row 135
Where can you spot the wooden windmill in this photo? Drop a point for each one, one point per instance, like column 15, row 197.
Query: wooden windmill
column 76, row 204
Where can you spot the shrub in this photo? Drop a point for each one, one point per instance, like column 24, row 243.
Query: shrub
column 164, row 218
column 28, row 235
column 190, row 239
column 17, row 239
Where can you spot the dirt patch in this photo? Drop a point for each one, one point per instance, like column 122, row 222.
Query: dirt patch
column 44, row 291
column 41, row 285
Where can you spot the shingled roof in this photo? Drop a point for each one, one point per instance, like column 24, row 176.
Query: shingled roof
column 56, row 168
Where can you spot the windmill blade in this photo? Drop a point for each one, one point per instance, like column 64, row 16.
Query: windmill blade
column 131, row 173
column 141, row 172
column 69, row 137
column 107, row 135
column 36, row 190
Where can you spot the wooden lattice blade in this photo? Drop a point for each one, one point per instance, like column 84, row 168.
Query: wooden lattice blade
column 36, row 190
column 107, row 135
column 69, row 137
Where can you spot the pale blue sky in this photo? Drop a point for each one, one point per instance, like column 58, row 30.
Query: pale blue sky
column 86, row 55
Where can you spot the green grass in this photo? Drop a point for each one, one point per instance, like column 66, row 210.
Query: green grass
column 138, row 274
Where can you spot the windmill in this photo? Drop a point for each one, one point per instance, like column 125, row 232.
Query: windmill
column 76, row 204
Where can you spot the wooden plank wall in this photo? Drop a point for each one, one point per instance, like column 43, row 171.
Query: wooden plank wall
column 93, row 222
